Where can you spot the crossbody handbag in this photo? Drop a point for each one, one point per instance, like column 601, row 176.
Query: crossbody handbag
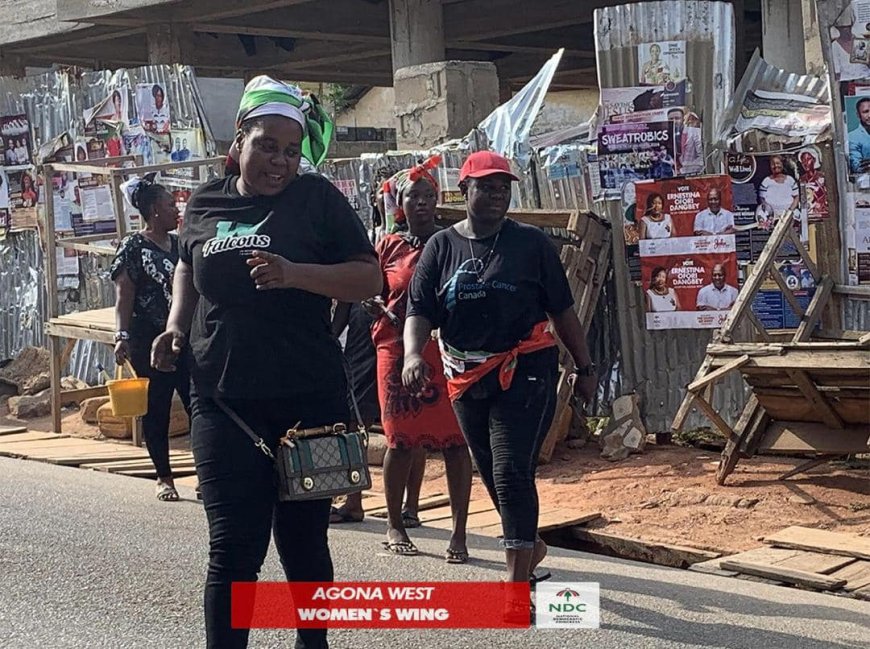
column 316, row 463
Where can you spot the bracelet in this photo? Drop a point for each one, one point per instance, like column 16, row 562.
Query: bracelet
column 122, row 335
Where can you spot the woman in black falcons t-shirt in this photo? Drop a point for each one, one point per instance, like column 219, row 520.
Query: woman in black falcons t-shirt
column 262, row 255
column 492, row 286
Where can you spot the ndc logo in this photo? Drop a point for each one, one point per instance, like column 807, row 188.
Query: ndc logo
column 567, row 606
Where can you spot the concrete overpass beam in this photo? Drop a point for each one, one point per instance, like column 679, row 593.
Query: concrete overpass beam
column 417, row 32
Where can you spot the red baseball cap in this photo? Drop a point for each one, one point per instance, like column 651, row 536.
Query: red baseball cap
column 485, row 163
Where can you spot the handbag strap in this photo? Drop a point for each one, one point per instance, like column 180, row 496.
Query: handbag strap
column 259, row 442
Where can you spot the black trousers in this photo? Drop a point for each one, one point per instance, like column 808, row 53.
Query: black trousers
column 161, row 385
column 505, row 430
column 239, row 491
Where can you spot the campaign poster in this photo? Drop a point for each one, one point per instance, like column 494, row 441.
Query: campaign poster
column 688, row 282
column 684, row 207
column 632, row 152
column 137, row 142
column 93, row 211
column 15, row 136
column 349, row 191
column 849, row 37
column 856, row 111
column 772, row 308
column 5, row 221
column 856, row 231
column 113, row 110
column 662, row 62
column 787, row 114
column 765, row 186
column 448, row 181
column 23, row 189
column 618, row 104
column 152, row 107
column 814, row 190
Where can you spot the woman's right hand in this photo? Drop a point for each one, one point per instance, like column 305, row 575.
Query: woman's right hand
column 165, row 350
column 372, row 307
column 122, row 352
column 416, row 373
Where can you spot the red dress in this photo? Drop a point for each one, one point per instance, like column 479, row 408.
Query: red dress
column 408, row 421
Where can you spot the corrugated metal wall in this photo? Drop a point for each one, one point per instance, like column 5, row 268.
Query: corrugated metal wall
column 659, row 364
column 54, row 102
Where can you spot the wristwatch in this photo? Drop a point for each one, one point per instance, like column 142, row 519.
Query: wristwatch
column 122, row 335
column 585, row 370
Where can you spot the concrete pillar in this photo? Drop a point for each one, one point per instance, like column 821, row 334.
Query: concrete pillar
column 815, row 62
column 165, row 44
column 417, row 32
column 440, row 101
column 782, row 40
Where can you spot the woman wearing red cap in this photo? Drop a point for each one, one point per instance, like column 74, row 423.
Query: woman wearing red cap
column 493, row 287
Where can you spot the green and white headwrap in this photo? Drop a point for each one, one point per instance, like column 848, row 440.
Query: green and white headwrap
column 266, row 96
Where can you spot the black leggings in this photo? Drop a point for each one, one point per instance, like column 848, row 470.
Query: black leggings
column 505, row 430
column 240, row 495
column 155, row 423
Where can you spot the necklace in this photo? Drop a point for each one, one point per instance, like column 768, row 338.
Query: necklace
column 480, row 265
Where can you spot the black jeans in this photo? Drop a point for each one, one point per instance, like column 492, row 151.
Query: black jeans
column 155, row 423
column 239, row 491
column 505, row 430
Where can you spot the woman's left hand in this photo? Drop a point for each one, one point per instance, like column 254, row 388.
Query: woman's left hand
column 270, row 271
column 584, row 387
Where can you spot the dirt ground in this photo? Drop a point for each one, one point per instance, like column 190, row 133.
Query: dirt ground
column 668, row 494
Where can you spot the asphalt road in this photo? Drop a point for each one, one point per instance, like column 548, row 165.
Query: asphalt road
column 93, row 560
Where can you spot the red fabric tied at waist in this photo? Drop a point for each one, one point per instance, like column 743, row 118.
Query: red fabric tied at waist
column 539, row 338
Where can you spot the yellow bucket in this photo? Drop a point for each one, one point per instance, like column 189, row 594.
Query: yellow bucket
column 129, row 397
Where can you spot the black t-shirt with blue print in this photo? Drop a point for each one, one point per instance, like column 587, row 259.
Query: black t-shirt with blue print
column 265, row 344
column 522, row 281
column 151, row 270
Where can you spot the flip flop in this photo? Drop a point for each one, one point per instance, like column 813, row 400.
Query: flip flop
column 410, row 521
column 456, row 556
column 167, row 493
column 403, row 548
column 542, row 576
column 337, row 516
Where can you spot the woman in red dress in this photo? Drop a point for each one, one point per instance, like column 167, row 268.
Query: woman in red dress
column 411, row 422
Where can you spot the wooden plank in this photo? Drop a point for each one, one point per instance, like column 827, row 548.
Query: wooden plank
column 486, row 518
column 791, row 576
column 13, row 437
column 807, row 538
column 77, row 460
column 12, row 430
column 557, row 518
column 715, row 418
column 442, row 513
column 718, row 373
column 756, row 279
column 177, row 472
column 81, row 394
column 806, row 437
column 814, row 310
column 79, row 333
column 427, row 502
column 804, row 255
column 824, row 564
column 787, row 293
column 812, row 394
column 686, row 406
column 856, row 574
column 853, row 411
column 663, row 554
column 816, row 361
column 731, row 453
column 756, row 324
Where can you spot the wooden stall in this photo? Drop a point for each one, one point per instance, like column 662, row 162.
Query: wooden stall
column 99, row 324
column 585, row 255
column 809, row 394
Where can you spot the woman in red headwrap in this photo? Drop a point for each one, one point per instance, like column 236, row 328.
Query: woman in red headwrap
column 411, row 421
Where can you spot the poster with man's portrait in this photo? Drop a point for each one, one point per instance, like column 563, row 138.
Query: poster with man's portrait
column 661, row 63
column 688, row 282
column 857, row 113
column 152, row 106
